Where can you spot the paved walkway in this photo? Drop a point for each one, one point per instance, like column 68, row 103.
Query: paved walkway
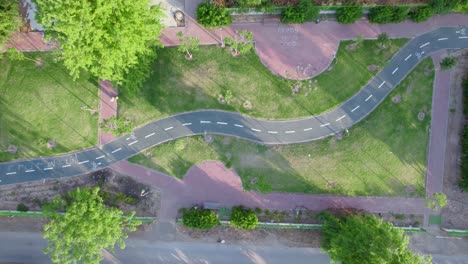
column 107, row 108
column 303, row 51
column 212, row 182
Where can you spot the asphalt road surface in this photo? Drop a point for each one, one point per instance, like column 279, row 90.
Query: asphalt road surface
column 27, row 248
column 233, row 124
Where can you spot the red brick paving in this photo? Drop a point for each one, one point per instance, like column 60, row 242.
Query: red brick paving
column 29, row 41
column 212, row 182
column 312, row 46
column 107, row 108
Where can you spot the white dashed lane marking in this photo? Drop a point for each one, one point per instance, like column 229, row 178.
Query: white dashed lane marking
column 101, row 157
column 83, row 162
column 327, row 124
column 409, row 56
column 340, row 118
column 355, row 108
column 256, row 130
column 150, row 135
column 382, row 84
column 187, row 124
column 424, row 45
column 168, row 128
column 238, row 125
column 48, row 168
column 272, row 132
column 221, row 123
column 205, row 122
column 66, row 166
column 290, row 132
column 116, row 150
column 367, row 99
column 133, row 142
column 10, row 173
column 395, row 70
column 463, row 37
column 29, row 170
column 442, row 39
column 307, row 129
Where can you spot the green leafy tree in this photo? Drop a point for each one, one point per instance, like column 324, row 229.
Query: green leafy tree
column 85, row 229
column 448, row 63
column 240, row 44
column 105, row 38
column 349, row 14
column 188, row 44
column 436, row 201
column 421, row 14
column 209, row 15
column 243, row 218
column 383, row 40
column 10, row 19
column 16, row 55
column 200, row 218
column 366, row 239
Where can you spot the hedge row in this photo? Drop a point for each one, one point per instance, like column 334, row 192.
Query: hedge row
column 464, row 140
column 241, row 217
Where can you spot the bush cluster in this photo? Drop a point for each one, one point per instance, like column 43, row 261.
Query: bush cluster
column 243, row 218
column 303, row 12
column 421, row 14
column 209, row 15
column 200, row 218
column 349, row 14
column 464, row 141
column 387, row 14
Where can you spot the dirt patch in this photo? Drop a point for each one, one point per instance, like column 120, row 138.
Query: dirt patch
column 258, row 236
column 123, row 192
column 396, row 99
column 372, row 68
column 456, row 212
column 352, row 47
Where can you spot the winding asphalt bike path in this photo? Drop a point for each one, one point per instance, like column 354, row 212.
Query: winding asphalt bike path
column 237, row 125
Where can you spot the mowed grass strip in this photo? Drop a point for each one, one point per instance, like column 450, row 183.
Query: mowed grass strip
column 178, row 85
column 42, row 103
column 383, row 155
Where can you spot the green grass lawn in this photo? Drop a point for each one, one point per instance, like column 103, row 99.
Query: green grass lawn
column 384, row 155
column 38, row 104
column 178, row 85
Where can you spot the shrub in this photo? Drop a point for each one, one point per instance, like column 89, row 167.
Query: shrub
column 243, row 218
column 387, row 14
column 383, row 40
column 304, row 11
column 246, row 3
column 421, row 14
column 22, row 207
column 116, row 125
column 209, row 15
column 436, row 201
column 445, row 6
column 349, row 14
column 464, row 141
column 200, row 218
column 240, row 44
column 447, row 63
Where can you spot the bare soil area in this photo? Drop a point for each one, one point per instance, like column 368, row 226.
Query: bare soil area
column 121, row 191
column 258, row 236
column 455, row 214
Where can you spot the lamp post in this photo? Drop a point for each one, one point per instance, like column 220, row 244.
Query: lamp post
column 221, row 35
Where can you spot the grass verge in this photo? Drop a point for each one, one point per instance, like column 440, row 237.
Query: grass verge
column 178, row 85
column 42, row 103
column 384, row 155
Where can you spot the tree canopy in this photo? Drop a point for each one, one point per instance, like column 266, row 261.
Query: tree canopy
column 363, row 238
column 9, row 19
column 86, row 227
column 105, row 38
